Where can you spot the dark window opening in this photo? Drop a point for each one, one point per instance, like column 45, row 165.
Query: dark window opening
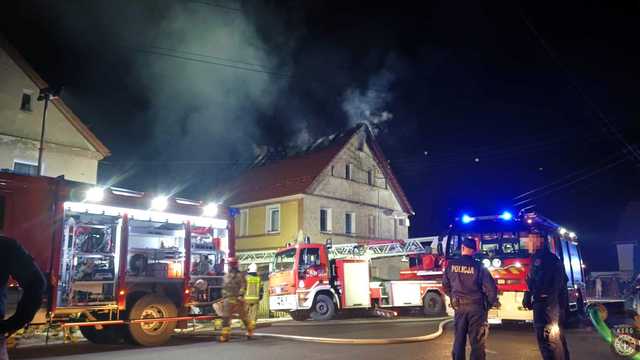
column 25, row 169
column 2, row 206
column 25, row 103
column 370, row 177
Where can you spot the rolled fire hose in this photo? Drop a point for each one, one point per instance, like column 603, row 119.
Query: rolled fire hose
column 325, row 340
column 597, row 314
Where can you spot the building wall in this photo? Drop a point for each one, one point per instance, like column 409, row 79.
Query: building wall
column 66, row 152
column 258, row 238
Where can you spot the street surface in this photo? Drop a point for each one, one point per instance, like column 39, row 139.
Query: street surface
column 505, row 342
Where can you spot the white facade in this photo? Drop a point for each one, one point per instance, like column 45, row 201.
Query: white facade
column 70, row 148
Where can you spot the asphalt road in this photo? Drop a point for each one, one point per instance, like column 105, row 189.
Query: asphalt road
column 505, row 342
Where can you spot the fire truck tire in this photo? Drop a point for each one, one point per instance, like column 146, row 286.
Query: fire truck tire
column 108, row 335
column 151, row 334
column 323, row 308
column 432, row 304
column 299, row 315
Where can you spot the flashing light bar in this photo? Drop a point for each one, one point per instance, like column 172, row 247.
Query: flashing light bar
column 150, row 215
column 506, row 216
column 467, row 219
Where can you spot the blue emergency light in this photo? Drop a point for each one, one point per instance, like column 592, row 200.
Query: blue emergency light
column 467, row 219
column 506, row 216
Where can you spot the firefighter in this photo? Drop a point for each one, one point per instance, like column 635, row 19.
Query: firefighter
column 233, row 293
column 254, row 292
column 547, row 297
column 472, row 291
column 17, row 263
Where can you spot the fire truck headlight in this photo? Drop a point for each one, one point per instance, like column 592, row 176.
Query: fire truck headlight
column 301, row 284
column 95, row 194
column 159, row 203
column 486, row 263
column 211, row 210
column 496, row 263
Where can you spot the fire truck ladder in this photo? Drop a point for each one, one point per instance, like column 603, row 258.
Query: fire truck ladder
column 370, row 251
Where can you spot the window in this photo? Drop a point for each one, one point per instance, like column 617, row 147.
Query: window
column 309, row 257
column 285, row 260
column 273, row 218
column 25, row 103
column 370, row 177
column 25, row 168
column 325, row 220
column 402, row 222
column 244, row 222
column 347, row 171
column 333, row 170
column 1, row 212
column 350, row 223
column 372, row 225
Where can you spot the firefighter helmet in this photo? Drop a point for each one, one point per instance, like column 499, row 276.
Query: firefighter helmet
column 253, row 268
column 233, row 263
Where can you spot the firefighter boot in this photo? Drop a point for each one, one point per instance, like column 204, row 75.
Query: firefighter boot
column 225, row 334
column 251, row 325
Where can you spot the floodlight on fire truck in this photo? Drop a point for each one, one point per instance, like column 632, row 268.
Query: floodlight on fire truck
column 572, row 235
column 94, row 194
column 496, row 263
column 486, row 263
column 211, row 210
column 159, row 203
column 562, row 231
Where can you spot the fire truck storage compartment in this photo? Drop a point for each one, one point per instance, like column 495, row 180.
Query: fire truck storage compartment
column 356, row 284
column 207, row 264
column 405, row 293
column 156, row 250
column 89, row 258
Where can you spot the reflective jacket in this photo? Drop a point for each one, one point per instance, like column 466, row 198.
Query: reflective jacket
column 252, row 294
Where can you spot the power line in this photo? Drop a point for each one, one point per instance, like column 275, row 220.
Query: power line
column 573, row 84
column 215, row 5
column 209, row 56
column 186, row 58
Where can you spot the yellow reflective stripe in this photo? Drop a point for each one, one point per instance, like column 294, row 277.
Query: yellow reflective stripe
column 253, row 288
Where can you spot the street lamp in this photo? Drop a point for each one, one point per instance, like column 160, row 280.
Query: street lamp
column 45, row 95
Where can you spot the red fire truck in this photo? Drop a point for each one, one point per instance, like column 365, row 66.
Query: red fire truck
column 120, row 264
column 504, row 248
column 308, row 283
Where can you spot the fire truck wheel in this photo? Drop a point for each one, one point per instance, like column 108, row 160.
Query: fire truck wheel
column 108, row 335
column 432, row 304
column 323, row 308
column 151, row 333
column 299, row 315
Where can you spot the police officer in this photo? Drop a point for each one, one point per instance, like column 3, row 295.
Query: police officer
column 547, row 297
column 472, row 291
column 17, row 263
column 233, row 293
column 253, row 294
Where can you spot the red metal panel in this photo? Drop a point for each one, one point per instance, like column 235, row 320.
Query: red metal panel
column 122, row 268
column 186, row 296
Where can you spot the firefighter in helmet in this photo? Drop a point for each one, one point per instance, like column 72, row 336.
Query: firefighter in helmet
column 472, row 291
column 233, row 294
column 254, row 292
column 547, row 297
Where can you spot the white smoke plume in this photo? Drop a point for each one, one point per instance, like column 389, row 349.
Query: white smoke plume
column 369, row 105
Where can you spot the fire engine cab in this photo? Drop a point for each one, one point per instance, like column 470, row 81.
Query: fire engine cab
column 117, row 258
column 504, row 247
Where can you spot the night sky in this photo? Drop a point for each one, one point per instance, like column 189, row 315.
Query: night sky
column 474, row 103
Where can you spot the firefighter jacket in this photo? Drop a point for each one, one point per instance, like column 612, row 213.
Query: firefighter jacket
column 17, row 263
column 234, row 285
column 546, row 280
column 466, row 281
column 253, row 291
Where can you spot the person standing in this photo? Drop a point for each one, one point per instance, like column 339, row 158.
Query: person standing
column 253, row 294
column 233, row 293
column 547, row 297
column 472, row 291
column 15, row 262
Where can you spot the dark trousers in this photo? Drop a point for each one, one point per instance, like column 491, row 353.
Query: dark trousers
column 470, row 321
column 549, row 332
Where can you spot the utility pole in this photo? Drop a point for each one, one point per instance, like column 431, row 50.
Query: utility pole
column 45, row 95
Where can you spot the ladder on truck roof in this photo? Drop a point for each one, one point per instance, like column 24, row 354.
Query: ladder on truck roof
column 371, row 251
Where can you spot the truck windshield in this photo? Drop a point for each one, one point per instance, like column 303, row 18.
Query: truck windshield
column 284, row 260
column 502, row 244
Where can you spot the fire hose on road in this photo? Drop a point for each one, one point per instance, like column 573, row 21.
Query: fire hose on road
column 387, row 341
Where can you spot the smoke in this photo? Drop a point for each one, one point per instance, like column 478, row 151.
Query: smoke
column 369, row 106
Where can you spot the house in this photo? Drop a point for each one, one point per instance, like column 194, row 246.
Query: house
column 70, row 148
column 341, row 189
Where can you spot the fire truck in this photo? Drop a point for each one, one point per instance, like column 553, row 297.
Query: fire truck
column 120, row 264
column 318, row 280
column 504, row 247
